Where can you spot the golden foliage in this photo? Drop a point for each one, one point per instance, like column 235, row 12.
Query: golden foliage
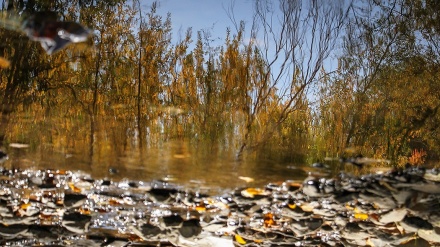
column 4, row 63
column 137, row 87
column 417, row 157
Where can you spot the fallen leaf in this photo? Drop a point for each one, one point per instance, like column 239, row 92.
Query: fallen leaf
column 268, row 220
column 429, row 235
column 395, row 215
column 252, row 192
column 361, row 216
column 307, row 207
column 239, row 239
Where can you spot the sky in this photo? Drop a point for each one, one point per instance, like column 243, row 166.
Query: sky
column 209, row 15
column 212, row 15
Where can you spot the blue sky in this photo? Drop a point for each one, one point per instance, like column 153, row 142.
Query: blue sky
column 205, row 15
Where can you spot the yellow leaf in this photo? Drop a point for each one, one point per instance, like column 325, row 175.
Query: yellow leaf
column 269, row 220
column 239, row 239
column 361, row 216
column 292, row 206
column 200, row 208
column 74, row 188
column 252, row 192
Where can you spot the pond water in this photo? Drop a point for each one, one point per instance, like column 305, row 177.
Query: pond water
column 46, row 145
column 87, row 113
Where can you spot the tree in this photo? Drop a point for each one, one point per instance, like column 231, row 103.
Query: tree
column 293, row 47
column 386, row 75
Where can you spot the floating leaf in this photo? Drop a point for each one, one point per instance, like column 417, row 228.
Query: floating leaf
column 18, row 145
column 246, row 179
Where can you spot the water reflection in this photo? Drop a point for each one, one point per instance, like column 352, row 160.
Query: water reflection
column 113, row 155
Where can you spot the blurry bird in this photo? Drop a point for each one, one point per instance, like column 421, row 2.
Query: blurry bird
column 45, row 28
column 53, row 35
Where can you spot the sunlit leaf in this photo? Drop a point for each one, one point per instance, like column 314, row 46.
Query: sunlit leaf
column 394, row 215
column 269, row 220
column 429, row 235
column 307, row 207
column 74, row 188
column 18, row 145
column 252, row 192
column 246, row 179
column 239, row 239
column 361, row 216
column 201, row 208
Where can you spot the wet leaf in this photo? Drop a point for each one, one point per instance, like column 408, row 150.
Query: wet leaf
column 395, row 215
column 254, row 192
column 246, row 179
column 418, row 223
column 355, row 235
column 269, row 220
column 307, row 207
column 429, row 235
column 361, row 216
column 239, row 239
column 11, row 230
column 379, row 202
column 432, row 177
column 18, row 145
column 190, row 228
column 74, row 188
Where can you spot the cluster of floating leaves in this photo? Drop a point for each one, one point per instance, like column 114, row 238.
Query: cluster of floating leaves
column 65, row 208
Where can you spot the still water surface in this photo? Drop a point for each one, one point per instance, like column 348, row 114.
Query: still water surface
column 176, row 161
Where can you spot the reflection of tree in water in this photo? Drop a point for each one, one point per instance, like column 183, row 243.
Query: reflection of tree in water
column 135, row 88
column 23, row 79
